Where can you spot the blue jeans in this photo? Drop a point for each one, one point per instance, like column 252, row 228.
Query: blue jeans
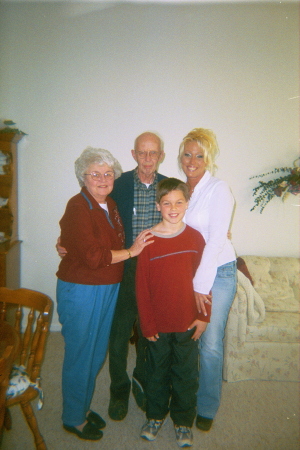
column 211, row 342
column 86, row 313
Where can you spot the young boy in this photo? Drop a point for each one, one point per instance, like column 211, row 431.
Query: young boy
column 168, row 315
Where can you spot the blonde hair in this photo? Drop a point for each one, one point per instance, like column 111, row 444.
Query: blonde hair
column 207, row 141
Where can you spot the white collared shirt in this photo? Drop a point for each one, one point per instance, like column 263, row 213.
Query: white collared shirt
column 210, row 210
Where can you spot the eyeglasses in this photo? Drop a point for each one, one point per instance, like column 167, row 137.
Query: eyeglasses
column 97, row 176
column 152, row 154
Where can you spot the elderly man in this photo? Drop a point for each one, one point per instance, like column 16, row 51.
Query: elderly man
column 134, row 193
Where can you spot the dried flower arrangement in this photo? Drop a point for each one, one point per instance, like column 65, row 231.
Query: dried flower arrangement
column 279, row 187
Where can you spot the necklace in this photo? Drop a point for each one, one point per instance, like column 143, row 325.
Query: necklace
column 191, row 190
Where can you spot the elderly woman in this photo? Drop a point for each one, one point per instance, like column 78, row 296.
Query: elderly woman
column 210, row 210
column 88, row 285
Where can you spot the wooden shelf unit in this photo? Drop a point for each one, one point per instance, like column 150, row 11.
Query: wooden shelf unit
column 9, row 239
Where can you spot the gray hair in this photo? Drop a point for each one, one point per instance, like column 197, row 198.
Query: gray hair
column 95, row 156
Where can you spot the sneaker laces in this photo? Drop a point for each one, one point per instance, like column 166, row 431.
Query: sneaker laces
column 155, row 423
column 182, row 429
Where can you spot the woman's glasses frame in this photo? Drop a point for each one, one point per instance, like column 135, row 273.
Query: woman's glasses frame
column 98, row 176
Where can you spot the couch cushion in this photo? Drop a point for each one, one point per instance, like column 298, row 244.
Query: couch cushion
column 278, row 295
column 276, row 280
column 277, row 327
column 291, row 266
column 259, row 268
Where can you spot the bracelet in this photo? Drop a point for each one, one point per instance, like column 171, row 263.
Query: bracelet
column 129, row 254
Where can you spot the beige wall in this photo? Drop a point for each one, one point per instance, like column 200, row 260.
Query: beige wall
column 74, row 75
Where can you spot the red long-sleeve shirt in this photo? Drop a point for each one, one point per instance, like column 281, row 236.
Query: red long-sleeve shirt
column 164, row 282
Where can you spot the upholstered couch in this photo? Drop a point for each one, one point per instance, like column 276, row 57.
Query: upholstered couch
column 262, row 332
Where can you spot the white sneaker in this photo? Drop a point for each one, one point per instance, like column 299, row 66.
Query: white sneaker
column 151, row 428
column 184, row 436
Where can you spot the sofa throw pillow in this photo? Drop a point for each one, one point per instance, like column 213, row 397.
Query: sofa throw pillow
column 259, row 267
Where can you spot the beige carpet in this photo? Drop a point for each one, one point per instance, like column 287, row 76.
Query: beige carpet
column 253, row 415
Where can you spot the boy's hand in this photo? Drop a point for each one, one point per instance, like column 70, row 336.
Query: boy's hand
column 60, row 250
column 200, row 328
column 153, row 338
column 201, row 300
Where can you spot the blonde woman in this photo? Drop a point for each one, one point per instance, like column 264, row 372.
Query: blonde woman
column 210, row 210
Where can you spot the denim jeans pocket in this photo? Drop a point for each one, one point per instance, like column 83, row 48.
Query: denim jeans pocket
column 228, row 270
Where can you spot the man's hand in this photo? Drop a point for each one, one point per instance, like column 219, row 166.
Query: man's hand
column 200, row 328
column 60, row 250
column 201, row 300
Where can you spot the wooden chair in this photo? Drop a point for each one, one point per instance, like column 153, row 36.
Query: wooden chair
column 9, row 348
column 32, row 314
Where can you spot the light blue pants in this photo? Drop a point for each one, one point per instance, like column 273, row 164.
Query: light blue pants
column 211, row 342
column 86, row 314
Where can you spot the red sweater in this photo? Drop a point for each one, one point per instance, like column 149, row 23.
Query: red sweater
column 88, row 237
column 164, row 282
